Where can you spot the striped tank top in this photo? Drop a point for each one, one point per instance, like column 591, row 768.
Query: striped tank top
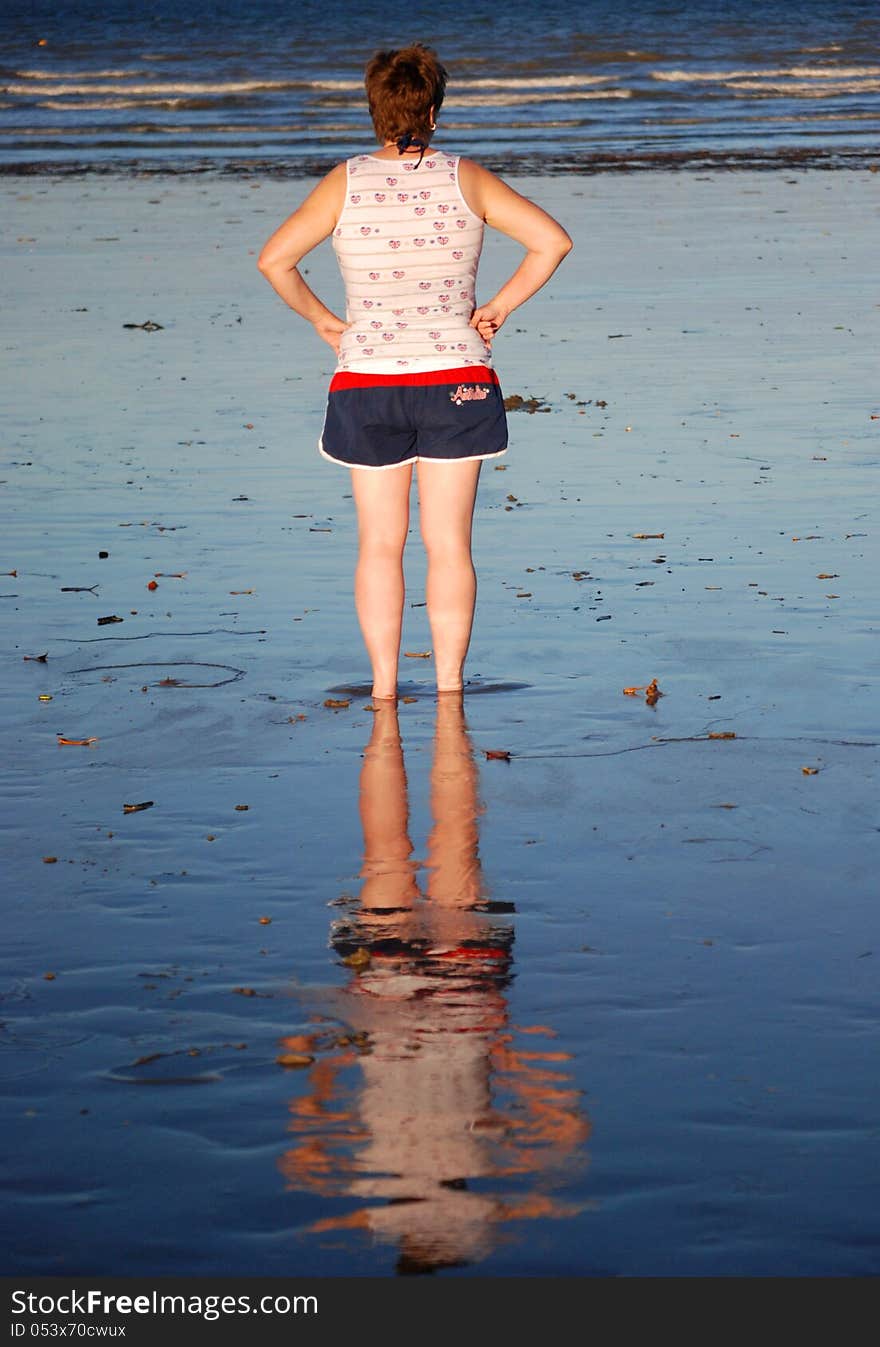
column 408, row 246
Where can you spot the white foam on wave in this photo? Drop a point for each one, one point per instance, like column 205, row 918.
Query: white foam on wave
column 75, row 74
column 61, row 83
column 330, row 85
column 513, row 100
column 534, row 82
column 497, row 82
column 186, row 128
column 170, row 92
column 170, row 89
column 102, row 104
column 810, row 118
column 342, row 86
column 792, row 72
column 801, row 87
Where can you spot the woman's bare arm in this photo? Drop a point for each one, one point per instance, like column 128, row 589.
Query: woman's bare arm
column 544, row 239
column 308, row 226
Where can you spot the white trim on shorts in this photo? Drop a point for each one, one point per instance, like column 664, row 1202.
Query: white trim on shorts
column 419, row 458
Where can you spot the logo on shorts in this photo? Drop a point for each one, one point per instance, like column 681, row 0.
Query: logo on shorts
column 468, row 393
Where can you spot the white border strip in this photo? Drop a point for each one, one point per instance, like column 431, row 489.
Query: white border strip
column 419, row 458
column 373, row 467
column 467, row 458
column 472, row 213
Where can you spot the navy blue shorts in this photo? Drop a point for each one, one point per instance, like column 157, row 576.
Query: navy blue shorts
column 386, row 420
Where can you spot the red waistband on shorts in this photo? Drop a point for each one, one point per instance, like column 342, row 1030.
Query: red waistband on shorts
column 471, row 374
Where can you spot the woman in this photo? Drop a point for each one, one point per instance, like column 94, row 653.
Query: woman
column 414, row 381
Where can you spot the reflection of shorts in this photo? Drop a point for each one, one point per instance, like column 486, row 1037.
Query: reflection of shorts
column 386, row 420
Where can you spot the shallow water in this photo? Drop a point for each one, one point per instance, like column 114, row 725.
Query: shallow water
column 621, row 990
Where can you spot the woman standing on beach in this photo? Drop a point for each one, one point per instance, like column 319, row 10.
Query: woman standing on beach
column 414, row 381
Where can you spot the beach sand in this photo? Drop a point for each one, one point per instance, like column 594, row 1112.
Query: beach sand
column 655, row 1030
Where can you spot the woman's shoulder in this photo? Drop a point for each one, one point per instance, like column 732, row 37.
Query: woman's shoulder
column 472, row 172
column 334, row 180
column 327, row 197
column 475, row 184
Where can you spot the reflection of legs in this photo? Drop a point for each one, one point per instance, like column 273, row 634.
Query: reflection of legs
column 388, row 872
column 382, row 500
column 454, row 877
column 447, row 492
column 431, row 1017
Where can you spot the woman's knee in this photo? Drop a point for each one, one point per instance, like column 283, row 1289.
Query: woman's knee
column 379, row 544
column 447, row 548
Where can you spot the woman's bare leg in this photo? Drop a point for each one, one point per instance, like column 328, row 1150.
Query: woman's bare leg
column 382, row 500
column 447, row 492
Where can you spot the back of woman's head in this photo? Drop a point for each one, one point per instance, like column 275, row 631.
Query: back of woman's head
column 402, row 88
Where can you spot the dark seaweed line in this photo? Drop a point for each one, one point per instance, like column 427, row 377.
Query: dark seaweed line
column 147, row 635
column 703, row 739
column 575, row 163
column 171, row 664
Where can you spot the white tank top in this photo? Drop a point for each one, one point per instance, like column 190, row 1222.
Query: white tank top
column 408, row 246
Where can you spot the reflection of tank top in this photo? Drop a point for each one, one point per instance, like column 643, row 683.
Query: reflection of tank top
column 408, row 246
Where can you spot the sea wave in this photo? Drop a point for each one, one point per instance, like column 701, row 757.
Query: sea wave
column 178, row 95
column 75, row 74
column 794, row 72
column 114, row 104
column 465, row 93
column 513, row 100
column 296, row 133
column 43, row 83
column 168, row 89
column 197, row 128
column 532, row 82
column 811, row 90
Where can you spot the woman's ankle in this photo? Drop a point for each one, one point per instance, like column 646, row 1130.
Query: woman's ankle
column 383, row 690
column 449, row 679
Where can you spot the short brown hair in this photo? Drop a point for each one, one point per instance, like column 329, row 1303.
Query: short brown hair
column 402, row 87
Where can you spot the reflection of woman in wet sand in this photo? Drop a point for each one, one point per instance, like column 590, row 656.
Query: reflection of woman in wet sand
column 443, row 1097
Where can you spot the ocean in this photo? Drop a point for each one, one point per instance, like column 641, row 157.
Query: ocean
column 242, row 87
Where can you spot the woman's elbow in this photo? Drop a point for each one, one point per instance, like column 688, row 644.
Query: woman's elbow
column 566, row 243
column 273, row 260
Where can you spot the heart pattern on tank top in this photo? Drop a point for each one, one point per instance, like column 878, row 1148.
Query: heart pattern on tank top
column 426, row 301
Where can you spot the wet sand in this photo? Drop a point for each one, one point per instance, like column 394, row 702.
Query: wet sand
column 609, row 1003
